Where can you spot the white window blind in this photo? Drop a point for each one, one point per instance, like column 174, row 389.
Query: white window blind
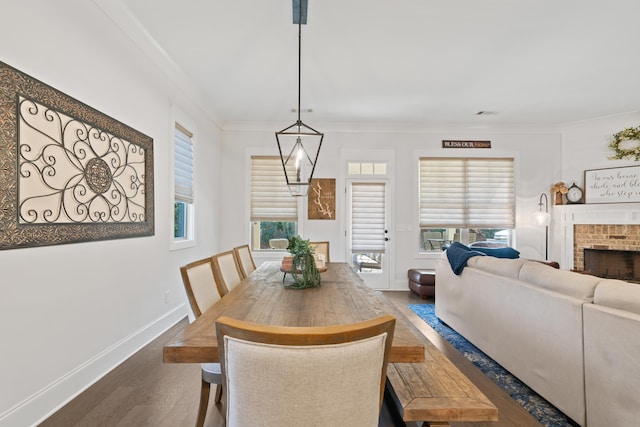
column 467, row 193
column 270, row 197
column 368, row 217
column 183, row 165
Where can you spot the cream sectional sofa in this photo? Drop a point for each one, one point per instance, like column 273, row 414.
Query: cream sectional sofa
column 612, row 354
column 544, row 326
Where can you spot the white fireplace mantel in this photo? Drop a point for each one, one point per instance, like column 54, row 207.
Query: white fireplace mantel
column 566, row 216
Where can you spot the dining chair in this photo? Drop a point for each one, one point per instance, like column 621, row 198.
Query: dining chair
column 333, row 375
column 245, row 260
column 226, row 271
column 203, row 292
column 321, row 248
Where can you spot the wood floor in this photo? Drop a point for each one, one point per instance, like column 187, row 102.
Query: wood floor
column 143, row 391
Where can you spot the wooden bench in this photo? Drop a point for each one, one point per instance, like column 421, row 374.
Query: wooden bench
column 435, row 392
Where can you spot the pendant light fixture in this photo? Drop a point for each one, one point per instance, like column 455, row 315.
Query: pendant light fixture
column 299, row 144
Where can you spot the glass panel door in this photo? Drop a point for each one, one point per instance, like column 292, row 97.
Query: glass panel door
column 367, row 232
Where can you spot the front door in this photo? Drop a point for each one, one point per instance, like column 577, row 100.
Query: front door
column 367, row 232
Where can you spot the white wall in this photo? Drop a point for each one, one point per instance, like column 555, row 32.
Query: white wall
column 70, row 313
column 542, row 158
column 585, row 147
column 538, row 160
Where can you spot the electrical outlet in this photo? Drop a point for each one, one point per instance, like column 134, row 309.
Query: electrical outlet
column 167, row 297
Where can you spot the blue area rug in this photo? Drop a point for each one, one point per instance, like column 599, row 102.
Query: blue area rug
column 542, row 410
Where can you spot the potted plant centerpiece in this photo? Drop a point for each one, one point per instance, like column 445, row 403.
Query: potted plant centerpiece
column 304, row 271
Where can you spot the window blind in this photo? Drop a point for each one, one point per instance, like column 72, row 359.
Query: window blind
column 467, row 193
column 183, row 172
column 368, row 217
column 270, row 198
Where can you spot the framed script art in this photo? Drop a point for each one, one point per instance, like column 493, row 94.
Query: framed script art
column 321, row 200
column 68, row 173
column 612, row 185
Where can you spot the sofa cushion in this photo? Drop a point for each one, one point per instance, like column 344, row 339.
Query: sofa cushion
column 577, row 285
column 507, row 252
column 618, row 294
column 499, row 266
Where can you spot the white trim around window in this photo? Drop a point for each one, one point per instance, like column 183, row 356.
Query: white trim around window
column 182, row 121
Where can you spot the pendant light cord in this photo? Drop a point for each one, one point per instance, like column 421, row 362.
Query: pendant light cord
column 299, row 58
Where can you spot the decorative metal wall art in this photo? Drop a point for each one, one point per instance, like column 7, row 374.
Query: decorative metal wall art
column 68, row 173
column 321, row 200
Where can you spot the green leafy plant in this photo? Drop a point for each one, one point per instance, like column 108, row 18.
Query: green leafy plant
column 621, row 148
column 304, row 272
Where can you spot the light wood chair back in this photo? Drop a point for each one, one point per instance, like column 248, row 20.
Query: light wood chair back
column 226, row 269
column 203, row 292
column 321, row 248
column 245, row 260
column 199, row 282
column 336, row 374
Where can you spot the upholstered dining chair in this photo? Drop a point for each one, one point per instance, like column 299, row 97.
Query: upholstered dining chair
column 203, row 292
column 226, row 271
column 333, row 375
column 245, row 260
column 321, row 248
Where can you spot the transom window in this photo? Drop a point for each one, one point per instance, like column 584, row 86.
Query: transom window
column 367, row 168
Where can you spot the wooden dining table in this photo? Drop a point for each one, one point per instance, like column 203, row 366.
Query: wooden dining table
column 423, row 384
column 262, row 297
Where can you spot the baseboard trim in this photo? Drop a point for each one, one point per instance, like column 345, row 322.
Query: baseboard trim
column 42, row 404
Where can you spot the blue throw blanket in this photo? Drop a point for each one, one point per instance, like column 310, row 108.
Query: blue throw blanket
column 506, row 252
column 458, row 254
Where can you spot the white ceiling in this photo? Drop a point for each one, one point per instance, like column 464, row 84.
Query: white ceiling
column 535, row 62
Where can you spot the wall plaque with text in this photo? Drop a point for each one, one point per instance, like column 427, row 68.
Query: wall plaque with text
column 465, row 144
column 612, row 185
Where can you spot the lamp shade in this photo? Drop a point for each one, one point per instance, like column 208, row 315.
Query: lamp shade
column 541, row 218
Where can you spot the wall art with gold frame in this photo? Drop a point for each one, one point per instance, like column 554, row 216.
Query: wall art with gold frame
column 68, row 173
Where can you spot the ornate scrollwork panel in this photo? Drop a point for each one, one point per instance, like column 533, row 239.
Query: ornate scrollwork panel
column 68, row 172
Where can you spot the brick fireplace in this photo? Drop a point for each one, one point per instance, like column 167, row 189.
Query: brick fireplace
column 614, row 227
column 614, row 237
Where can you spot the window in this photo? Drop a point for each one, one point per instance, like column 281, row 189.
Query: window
column 469, row 200
column 183, row 188
column 274, row 212
column 367, row 168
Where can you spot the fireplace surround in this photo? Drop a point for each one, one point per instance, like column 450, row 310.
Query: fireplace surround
column 593, row 226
